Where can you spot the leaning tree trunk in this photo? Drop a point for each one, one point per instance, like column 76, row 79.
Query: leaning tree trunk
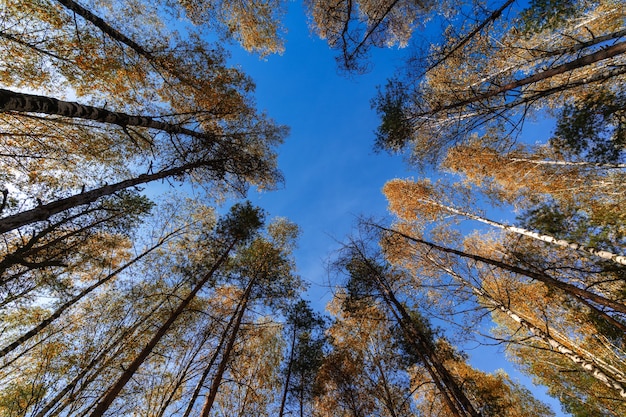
column 31, row 103
column 283, row 400
column 619, row 259
column 63, row 308
column 221, row 368
column 583, row 164
column 580, row 62
column 114, row 391
column 455, row 398
column 209, row 366
column 45, row 211
column 106, row 28
column 90, row 366
column 602, row 373
column 539, row 276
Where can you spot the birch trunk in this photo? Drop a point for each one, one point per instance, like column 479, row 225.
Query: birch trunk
column 45, row 211
column 619, row 259
column 581, row 62
column 539, row 276
column 602, row 373
column 569, row 163
column 30, row 103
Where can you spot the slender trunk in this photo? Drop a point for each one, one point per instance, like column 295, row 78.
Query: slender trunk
column 455, row 398
column 97, row 359
column 619, row 259
column 106, row 28
column 183, row 375
column 120, row 37
column 539, row 276
column 388, row 401
column 114, row 391
column 63, row 308
column 283, row 401
column 45, row 211
column 209, row 366
column 568, row 163
column 591, row 366
column 30, row 103
column 581, row 62
column 492, row 17
column 221, row 368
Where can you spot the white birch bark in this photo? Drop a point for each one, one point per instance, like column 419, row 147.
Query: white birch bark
column 616, row 381
column 619, row 259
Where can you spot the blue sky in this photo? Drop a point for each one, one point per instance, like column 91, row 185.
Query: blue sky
column 332, row 173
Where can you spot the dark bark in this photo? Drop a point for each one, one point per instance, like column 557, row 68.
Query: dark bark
column 492, row 17
column 454, row 397
column 536, row 275
column 30, row 103
column 207, row 369
column 106, row 28
column 114, row 390
column 283, row 400
column 221, row 368
column 45, row 211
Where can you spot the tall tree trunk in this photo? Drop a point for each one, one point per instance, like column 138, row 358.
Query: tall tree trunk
column 207, row 369
column 283, row 400
column 591, row 366
column 388, row 398
column 455, row 398
column 64, row 307
column 30, row 103
column 125, row 335
column 221, row 368
column 619, row 259
column 568, row 163
column 539, row 276
column 185, row 372
column 45, row 211
column 106, row 28
column 583, row 61
column 120, row 37
column 114, row 391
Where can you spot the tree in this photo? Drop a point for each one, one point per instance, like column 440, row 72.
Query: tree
column 537, row 317
column 517, row 67
column 437, row 369
column 410, row 200
column 365, row 273
column 306, row 340
column 265, row 271
column 233, row 230
column 550, row 281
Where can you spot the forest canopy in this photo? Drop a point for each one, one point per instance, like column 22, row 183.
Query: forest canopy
column 138, row 278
